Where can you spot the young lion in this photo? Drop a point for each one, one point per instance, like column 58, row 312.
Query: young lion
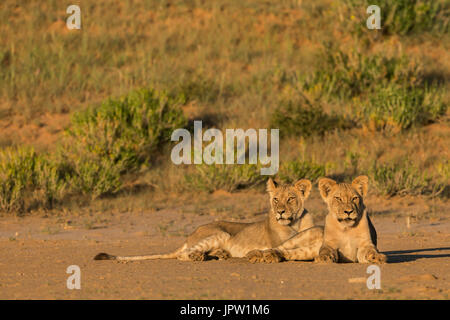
column 287, row 233
column 349, row 234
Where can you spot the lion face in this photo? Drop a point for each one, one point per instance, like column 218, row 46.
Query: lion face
column 287, row 201
column 345, row 201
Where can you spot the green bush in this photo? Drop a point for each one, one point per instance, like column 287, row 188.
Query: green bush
column 93, row 175
column 28, row 180
column 398, row 178
column 197, row 89
column 304, row 119
column 102, row 144
column 291, row 171
column 226, row 177
column 349, row 74
column 51, row 181
column 127, row 130
column 117, row 137
column 441, row 185
column 399, row 108
column 16, row 177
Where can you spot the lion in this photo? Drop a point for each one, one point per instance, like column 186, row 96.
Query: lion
column 288, row 233
column 349, row 235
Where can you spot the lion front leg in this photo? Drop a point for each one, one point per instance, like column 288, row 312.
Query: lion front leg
column 304, row 246
column 327, row 254
column 370, row 254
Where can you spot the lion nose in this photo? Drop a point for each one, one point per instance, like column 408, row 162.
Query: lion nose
column 348, row 212
column 281, row 211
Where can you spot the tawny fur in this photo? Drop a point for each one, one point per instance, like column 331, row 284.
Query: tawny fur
column 288, row 233
column 349, row 234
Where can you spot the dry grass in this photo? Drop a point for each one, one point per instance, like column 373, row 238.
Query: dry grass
column 233, row 62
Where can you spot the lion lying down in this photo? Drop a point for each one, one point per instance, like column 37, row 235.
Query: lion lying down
column 288, row 233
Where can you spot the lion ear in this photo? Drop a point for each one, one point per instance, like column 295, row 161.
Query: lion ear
column 304, row 186
column 361, row 184
column 325, row 186
column 271, row 185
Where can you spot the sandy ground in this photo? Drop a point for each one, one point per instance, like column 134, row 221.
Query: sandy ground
column 36, row 251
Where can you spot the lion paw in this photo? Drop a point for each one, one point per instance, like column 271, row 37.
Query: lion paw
column 220, row 254
column 375, row 257
column 327, row 255
column 255, row 256
column 197, row 256
column 272, row 256
column 324, row 258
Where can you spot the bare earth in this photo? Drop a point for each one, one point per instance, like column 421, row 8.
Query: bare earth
column 36, row 251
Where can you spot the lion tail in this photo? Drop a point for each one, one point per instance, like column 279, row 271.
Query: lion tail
column 172, row 255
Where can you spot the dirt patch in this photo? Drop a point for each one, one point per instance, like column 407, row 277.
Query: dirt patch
column 42, row 133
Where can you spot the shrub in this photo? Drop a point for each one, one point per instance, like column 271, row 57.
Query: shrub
column 51, row 181
column 29, row 180
column 127, row 130
column 399, row 108
column 350, row 74
column 304, row 119
column 119, row 136
column 197, row 88
column 398, row 178
column 95, row 176
column 441, row 185
column 222, row 176
column 291, row 171
column 16, row 177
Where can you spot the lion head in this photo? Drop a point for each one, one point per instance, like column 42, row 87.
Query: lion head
column 344, row 200
column 287, row 201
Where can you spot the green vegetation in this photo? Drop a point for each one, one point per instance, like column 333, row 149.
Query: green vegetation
column 225, row 177
column 291, row 171
column 398, row 178
column 351, row 73
column 305, row 119
column 400, row 108
column 104, row 142
column 403, row 177
column 29, row 181
column 404, row 17
column 310, row 68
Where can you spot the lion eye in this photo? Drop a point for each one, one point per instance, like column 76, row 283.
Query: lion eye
column 355, row 199
column 275, row 200
column 291, row 199
column 338, row 199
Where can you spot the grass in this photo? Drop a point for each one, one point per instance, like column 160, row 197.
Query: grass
column 224, row 177
column 345, row 74
column 400, row 108
column 403, row 17
column 291, row 171
column 398, row 178
column 28, row 180
column 104, row 142
column 303, row 119
column 310, row 68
